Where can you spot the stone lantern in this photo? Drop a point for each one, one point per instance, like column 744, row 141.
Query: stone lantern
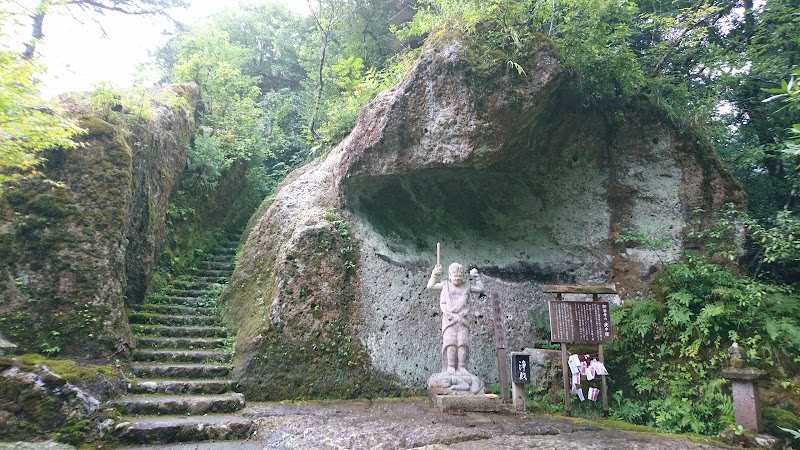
column 746, row 403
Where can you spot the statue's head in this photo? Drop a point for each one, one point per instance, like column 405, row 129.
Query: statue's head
column 456, row 273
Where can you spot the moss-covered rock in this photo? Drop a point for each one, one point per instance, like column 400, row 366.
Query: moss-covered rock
column 309, row 351
column 512, row 173
column 55, row 399
column 776, row 421
column 73, row 253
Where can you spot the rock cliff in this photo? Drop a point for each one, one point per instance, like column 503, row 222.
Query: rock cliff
column 71, row 255
column 512, row 173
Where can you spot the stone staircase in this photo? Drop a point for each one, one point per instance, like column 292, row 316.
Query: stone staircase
column 180, row 389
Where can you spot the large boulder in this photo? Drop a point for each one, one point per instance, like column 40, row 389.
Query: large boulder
column 513, row 173
column 72, row 254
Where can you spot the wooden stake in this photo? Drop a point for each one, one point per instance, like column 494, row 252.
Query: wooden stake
column 500, row 344
column 603, row 382
column 567, row 384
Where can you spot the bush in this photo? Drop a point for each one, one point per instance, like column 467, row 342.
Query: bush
column 674, row 348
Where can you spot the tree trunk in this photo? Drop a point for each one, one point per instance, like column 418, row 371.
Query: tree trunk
column 36, row 34
column 320, row 84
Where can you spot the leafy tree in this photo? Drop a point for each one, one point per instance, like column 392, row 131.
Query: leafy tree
column 232, row 120
column 28, row 123
column 272, row 36
column 326, row 16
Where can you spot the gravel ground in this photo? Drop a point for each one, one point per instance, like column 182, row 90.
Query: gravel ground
column 414, row 423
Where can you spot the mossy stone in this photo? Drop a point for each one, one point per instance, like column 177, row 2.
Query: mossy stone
column 53, row 203
column 775, row 418
column 96, row 126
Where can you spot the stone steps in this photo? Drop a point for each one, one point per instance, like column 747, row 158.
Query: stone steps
column 219, row 265
column 182, row 356
column 146, row 404
column 162, row 430
column 180, row 371
column 193, row 283
column 192, row 301
column 214, row 279
column 144, row 342
column 181, row 366
column 140, row 318
column 173, row 309
column 200, row 293
column 212, row 273
column 173, row 331
column 172, row 387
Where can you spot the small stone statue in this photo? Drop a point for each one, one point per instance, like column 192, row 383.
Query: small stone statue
column 736, row 356
column 454, row 295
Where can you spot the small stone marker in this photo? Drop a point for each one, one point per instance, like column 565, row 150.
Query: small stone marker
column 746, row 402
column 520, row 375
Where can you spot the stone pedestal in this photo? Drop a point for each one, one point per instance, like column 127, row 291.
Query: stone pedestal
column 460, row 392
column 746, row 403
column 458, row 384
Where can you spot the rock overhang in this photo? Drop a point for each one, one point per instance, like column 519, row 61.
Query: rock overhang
column 510, row 174
column 533, row 208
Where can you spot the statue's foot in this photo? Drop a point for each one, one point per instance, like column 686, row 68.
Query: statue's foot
column 451, row 370
column 462, row 371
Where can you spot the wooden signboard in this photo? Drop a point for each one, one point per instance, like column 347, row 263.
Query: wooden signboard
column 580, row 322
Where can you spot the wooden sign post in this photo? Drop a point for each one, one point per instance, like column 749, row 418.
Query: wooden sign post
column 580, row 322
column 500, row 344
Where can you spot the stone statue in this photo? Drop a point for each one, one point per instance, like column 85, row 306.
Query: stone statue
column 736, row 356
column 454, row 295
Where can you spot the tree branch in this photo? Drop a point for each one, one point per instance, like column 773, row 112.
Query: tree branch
column 679, row 40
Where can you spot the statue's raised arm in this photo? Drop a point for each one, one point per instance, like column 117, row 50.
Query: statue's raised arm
column 433, row 282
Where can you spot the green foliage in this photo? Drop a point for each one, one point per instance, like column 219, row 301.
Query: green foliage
column 674, row 348
column 28, row 123
column 591, row 35
column 495, row 32
column 270, row 36
column 775, row 244
column 205, row 162
column 795, row 433
column 133, row 105
column 208, row 58
column 357, row 87
column 781, row 242
column 779, row 421
column 540, row 328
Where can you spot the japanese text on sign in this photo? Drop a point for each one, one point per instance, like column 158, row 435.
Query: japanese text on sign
column 521, row 367
column 580, row 322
